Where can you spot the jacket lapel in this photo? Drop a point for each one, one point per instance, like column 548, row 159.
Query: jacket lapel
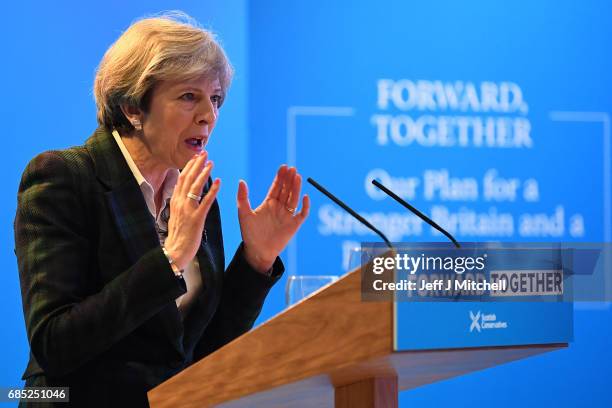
column 136, row 227
column 124, row 197
column 132, row 218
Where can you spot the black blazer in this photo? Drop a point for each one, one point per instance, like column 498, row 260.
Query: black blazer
column 98, row 293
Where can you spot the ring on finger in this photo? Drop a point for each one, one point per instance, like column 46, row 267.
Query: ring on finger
column 194, row 197
column 290, row 209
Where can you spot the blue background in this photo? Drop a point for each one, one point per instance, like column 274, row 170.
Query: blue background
column 331, row 54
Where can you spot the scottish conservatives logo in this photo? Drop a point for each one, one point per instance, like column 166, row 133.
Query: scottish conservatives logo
column 484, row 321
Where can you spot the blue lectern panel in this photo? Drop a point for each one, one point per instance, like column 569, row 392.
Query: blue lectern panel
column 478, row 324
column 529, row 310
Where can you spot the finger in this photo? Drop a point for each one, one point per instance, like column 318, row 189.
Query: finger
column 193, row 159
column 303, row 214
column 294, row 196
column 286, row 186
column 193, row 172
column 209, row 198
column 242, row 198
column 277, row 186
column 198, row 184
column 180, row 184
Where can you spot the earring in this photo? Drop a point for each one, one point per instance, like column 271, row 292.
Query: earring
column 137, row 125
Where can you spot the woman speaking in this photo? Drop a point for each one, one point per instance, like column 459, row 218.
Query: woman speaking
column 119, row 242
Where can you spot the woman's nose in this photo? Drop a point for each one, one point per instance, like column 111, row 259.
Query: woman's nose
column 206, row 114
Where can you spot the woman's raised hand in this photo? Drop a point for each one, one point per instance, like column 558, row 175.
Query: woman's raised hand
column 187, row 216
column 266, row 231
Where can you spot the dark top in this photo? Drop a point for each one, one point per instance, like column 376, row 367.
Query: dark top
column 99, row 294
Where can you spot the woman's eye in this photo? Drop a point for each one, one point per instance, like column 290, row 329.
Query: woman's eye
column 216, row 99
column 189, row 96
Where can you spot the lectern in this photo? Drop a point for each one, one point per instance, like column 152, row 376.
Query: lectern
column 334, row 350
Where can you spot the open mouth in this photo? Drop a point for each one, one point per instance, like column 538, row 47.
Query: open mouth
column 195, row 143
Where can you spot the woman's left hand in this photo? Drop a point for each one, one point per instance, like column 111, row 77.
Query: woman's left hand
column 266, row 231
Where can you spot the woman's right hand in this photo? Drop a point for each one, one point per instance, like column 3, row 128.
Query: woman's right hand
column 187, row 216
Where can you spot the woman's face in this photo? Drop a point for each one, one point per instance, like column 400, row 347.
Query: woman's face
column 181, row 118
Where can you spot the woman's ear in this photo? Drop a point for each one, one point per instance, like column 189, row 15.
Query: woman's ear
column 133, row 114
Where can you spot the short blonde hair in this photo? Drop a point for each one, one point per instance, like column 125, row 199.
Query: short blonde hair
column 171, row 46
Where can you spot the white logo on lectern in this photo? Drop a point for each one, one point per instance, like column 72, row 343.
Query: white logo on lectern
column 475, row 321
column 482, row 321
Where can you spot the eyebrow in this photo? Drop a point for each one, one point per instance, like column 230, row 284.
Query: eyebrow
column 193, row 88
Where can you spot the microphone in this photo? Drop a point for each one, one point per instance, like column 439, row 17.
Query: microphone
column 415, row 211
column 350, row 211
